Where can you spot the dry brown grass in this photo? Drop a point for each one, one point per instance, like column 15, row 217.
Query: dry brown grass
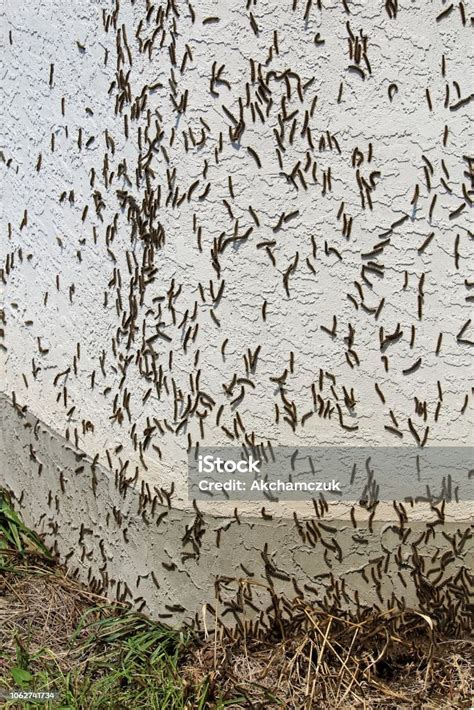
column 40, row 607
column 308, row 658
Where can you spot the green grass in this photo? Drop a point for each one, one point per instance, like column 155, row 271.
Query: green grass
column 14, row 535
column 124, row 665
column 128, row 666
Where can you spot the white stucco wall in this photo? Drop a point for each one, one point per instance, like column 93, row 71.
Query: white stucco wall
column 70, row 287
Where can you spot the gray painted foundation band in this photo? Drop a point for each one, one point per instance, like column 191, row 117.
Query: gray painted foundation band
column 165, row 560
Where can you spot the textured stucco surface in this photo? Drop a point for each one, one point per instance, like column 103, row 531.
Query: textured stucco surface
column 134, row 329
column 166, row 561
